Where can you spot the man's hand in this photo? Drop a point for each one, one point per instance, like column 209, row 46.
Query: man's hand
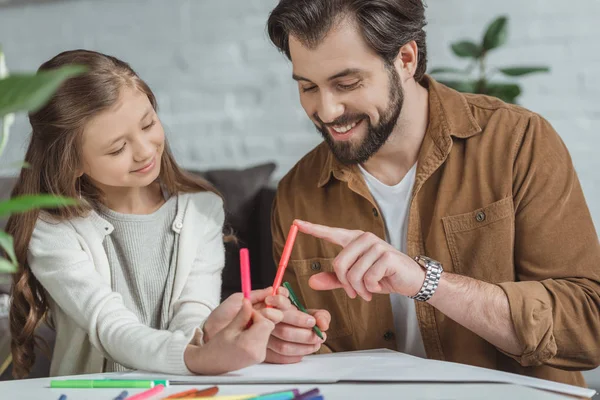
column 293, row 338
column 366, row 265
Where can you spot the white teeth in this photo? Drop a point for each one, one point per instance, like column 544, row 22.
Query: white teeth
column 344, row 129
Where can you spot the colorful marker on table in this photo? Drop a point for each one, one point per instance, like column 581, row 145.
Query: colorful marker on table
column 226, row 397
column 295, row 392
column 121, row 395
column 300, row 307
column 148, row 393
column 285, row 257
column 183, row 395
column 283, row 395
column 106, row 383
column 193, row 393
column 311, row 394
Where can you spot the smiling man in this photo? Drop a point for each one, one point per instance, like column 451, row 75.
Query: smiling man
column 460, row 230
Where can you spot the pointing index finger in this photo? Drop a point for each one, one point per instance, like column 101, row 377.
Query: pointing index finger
column 341, row 237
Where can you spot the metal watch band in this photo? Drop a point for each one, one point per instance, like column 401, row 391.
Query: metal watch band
column 433, row 273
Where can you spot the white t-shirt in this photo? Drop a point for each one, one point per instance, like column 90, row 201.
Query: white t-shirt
column 394, row 204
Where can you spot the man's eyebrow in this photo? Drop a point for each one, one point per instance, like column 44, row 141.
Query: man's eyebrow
column 299, row 78
column 346, row 72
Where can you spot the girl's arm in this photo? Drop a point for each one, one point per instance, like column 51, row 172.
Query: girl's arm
column 69, row 276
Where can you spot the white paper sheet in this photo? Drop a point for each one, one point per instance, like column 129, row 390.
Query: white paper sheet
column 367, row 366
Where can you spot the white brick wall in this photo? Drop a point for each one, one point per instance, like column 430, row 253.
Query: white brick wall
column 226, row 95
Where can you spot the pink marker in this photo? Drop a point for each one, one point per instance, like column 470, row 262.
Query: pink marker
column 285, row 257
column 148, row 393
column 245, row 272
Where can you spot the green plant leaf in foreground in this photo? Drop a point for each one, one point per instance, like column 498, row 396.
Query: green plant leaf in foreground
column 520, row 71
column 29, row 202
column 7, row 266
column 466, row 48
column 496, row 34
column 6, row 242
column 22, row 92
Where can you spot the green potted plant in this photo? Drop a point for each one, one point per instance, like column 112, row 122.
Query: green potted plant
column 25, row 93
column 476, row 77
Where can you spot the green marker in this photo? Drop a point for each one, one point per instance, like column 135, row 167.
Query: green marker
column 106, row 384
column 295, row 302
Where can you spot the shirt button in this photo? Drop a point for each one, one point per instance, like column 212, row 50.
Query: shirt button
column 480, row 217
column 178, row 225
column 315, row 266
column 375, row 212
column 389, row 335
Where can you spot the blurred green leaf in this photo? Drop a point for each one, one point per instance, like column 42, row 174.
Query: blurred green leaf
column 7, row 266
column 29, row 202
column 22, row 92
column 447, row 70
column 6, row 242
column 496, row 34
column 15, row 165
column 461, row 86
column 507, row 92
column 520, row 71
column 466, row 48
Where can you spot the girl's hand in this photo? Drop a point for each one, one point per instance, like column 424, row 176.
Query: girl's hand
column 228, row 309
column 234, row 346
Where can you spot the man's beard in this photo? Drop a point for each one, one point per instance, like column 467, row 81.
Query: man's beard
column 350, row 153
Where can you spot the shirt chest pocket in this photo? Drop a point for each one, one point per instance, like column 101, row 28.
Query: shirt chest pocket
column 334, row 301
column 481, row 242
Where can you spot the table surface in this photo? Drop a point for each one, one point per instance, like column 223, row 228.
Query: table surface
column 38, row 389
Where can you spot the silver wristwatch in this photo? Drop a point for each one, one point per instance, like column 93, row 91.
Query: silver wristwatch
column 433, row 273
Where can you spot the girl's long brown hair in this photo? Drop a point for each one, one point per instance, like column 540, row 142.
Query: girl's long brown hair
column 54, row 156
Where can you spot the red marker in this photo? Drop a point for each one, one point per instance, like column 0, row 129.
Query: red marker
column 285, row 257
column 245, row 272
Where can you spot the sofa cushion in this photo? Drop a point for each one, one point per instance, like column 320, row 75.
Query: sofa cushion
column 240, row 189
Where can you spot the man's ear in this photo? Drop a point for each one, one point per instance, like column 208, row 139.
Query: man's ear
column 407, row 60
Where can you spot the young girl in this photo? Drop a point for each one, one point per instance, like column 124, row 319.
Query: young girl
column 130, row 278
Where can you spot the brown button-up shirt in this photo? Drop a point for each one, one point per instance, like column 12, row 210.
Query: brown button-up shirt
column 495, row 198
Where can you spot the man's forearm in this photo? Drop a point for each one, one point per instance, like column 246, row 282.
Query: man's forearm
column 480, row 307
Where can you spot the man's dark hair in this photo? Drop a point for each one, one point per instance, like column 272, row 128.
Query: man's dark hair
column 386, row 25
